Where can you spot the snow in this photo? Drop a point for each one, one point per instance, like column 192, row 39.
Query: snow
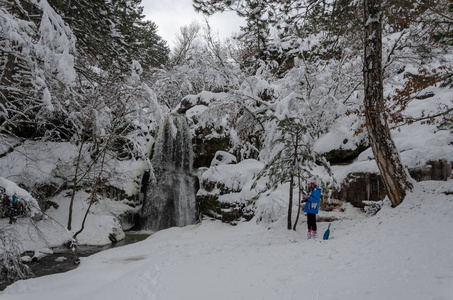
column 223, row 158
column 55, row 44
column 340, row 137
column 196, row 110
column 12, row 188
column 47, row 162
column 36, row 162
column 401, row 253
column 233, row 176
column 100, row 222
column 40, row 236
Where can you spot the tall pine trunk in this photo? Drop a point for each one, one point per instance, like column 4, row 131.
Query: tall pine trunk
column 387, row 157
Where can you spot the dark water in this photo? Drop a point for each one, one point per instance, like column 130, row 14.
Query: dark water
column 48, row 265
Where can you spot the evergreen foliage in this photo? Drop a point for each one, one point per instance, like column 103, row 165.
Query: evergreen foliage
column 295, row 159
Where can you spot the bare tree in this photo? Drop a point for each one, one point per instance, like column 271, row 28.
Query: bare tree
column 185, row 42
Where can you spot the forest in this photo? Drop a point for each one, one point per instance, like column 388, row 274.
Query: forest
column 87, row 88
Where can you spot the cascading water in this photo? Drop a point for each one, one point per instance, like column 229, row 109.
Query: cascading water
column 170, row 196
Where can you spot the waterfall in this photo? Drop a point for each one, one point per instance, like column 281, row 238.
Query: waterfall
column 170, row 196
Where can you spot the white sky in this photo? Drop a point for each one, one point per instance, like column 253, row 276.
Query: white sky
column 171, row 15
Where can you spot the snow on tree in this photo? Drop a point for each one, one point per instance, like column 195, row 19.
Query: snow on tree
column 11, row 267
column 72, row 78
column 37, row 50
column 30, row 203
column 324, row 39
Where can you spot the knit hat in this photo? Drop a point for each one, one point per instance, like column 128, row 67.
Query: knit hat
column 312, row 182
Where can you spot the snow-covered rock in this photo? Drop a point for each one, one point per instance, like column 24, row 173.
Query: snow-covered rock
column 225, row 189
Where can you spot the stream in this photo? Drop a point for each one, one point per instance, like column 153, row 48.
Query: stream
column 63, row 259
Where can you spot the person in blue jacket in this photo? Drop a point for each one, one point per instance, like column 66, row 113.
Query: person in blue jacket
column 312, row 207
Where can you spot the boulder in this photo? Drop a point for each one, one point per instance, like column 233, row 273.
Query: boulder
column 433, row 170
column 224, row 189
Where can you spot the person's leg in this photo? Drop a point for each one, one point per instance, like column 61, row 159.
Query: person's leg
column 314, row 227
column 310, row 225
column 311, row 219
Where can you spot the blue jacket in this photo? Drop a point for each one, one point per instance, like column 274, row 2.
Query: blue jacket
column 312, row 205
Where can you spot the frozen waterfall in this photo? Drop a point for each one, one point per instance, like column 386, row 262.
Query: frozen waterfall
column 169, row 199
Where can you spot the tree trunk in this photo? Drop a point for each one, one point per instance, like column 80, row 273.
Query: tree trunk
column 387, row 157
column 75, row 182
column 6, row 80
column 290, row 205
column 299, row 206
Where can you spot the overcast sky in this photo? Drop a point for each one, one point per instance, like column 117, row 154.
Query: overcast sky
column 171, row 15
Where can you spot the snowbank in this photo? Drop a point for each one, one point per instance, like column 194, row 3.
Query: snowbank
column 13, row 189
column 101, row 221
column 33, row 163
column 233, row 176
column 38, row 162
column 102, row 224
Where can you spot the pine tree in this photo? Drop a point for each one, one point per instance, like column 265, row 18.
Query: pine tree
column 113, row 33
column 295, row 160
column 255, row 36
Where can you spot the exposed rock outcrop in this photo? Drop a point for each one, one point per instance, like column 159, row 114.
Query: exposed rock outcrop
column 224, row 187
column 358, row 187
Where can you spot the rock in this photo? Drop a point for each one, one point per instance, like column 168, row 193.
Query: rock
column 221, row 194
column 359, row 187
column 41, row 253
column 223, row 158
column 26, row 259
column 433, row 170
column 342, row 156
column 112, row 238
column 206, row 147
column 60, row 259
column 227, row 212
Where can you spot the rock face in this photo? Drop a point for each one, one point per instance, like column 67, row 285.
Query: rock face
column 205, row 147
column 218, row 125
column 227, row 212
column 342, row 156
column 223, row 189
column 433, row 170
column 360, row 187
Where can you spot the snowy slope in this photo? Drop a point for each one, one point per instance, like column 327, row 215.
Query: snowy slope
column 51, row 230
column 403, row 253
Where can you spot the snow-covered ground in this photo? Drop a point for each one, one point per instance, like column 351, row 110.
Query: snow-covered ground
column 51, row 231
column 400, row 253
